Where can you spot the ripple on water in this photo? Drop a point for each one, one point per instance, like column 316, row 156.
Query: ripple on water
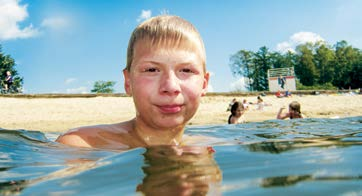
column 303, row 156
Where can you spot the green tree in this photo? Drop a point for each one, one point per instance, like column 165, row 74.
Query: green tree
column 8, row 64
column 316, row 65
column 347, row 61
column 262, row 63
column 325, row 59
column 356, row 76
column 305, row 68
column 279, row 60
column 242, row 65
column 254, row 67
column 290, row 59
column 103, row 87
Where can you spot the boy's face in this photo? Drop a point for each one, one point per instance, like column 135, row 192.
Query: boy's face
column 166, row 85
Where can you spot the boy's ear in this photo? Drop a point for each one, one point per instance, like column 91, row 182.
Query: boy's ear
column 205, row 84
column 127, row 84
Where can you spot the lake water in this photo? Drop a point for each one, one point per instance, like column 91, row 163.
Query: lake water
column 291, row 157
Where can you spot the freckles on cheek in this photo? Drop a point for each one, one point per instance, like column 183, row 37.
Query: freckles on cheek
column 193, row 86
column 141, row 82
column 192, row 92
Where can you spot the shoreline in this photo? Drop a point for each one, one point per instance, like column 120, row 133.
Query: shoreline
column 49, row 114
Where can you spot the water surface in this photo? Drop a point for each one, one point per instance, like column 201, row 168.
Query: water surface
column 291, row 157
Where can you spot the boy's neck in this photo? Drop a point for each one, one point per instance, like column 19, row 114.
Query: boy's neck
column 151, row 137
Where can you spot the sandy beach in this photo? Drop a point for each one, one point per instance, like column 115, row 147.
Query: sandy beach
column 61, row 114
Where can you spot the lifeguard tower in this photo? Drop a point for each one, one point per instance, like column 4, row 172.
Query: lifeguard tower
column 281, row 79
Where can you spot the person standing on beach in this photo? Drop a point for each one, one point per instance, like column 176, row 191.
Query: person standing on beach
column 166, row 76
column 281, row 81
column 8, row 80
column 294, row 111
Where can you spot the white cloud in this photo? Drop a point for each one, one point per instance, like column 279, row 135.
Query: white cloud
column 145, row 14
column 304, row 37
column 297, row 39
column 238, row 85
column 69, row 80
column 55, row 23
column 284, row 47
column 210, row 88
column 81, row 89
column 11, row 14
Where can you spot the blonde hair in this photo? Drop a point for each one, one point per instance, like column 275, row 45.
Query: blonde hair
column 169, row 31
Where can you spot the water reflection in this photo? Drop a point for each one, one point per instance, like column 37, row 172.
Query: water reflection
column 180, row 170
column 75, row 166
column 279, row 146
column 292, row 180
column 11, row 187
column 168, row 170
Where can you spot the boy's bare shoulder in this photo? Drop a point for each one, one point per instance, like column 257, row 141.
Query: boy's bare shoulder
column 97, row 136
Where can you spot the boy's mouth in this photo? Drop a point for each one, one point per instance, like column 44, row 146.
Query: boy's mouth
column 170, row 109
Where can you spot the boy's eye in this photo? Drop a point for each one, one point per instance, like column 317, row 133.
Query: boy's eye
column 151, row 69
column 186, row 70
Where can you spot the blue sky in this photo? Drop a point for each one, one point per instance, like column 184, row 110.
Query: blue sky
column 64, row 46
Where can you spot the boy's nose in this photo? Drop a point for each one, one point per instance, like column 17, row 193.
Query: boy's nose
column 170, row 84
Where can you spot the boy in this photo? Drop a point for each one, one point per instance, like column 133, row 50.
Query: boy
column 166, row 76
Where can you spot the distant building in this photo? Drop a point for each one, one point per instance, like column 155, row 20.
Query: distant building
column 281, row 79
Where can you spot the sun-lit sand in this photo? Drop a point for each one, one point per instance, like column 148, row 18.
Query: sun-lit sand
column 61, row 114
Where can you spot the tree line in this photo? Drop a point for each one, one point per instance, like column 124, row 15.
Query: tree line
column 317, row 66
